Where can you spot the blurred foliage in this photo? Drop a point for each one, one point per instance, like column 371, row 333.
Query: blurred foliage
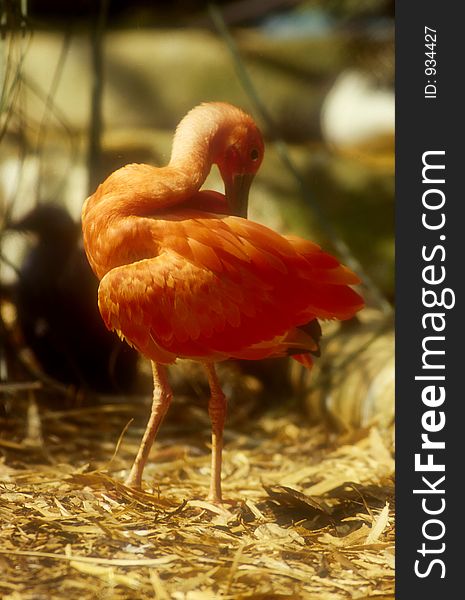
column 159, row 60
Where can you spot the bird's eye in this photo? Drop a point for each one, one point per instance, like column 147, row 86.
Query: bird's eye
column 254, row 154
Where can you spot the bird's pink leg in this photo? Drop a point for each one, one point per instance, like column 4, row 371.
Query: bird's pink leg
column 217, row 412
column 162, row 396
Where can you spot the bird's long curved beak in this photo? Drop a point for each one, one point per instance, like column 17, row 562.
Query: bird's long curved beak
column 237, row 193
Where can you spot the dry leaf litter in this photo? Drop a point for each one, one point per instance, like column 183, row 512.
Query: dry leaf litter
column 307, row 514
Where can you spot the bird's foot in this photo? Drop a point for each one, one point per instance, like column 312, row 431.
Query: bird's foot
column 215, row 499
column 133, row 480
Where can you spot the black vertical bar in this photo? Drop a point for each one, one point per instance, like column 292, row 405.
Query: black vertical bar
column 429, row 281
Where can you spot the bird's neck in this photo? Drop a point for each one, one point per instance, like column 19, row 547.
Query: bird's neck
column 197, row 140
column 139, row 189
column 201, row 137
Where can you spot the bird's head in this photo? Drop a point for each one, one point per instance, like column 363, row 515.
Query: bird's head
column 222, row 134
column 239, row 157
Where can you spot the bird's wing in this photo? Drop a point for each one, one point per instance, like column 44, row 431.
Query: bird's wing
column 300, row 275
column 222, row 284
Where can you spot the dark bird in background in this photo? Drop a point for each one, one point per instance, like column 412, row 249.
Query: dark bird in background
column 57, row 312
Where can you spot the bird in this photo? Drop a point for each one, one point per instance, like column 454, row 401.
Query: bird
column 56, row 311
column 184, row 274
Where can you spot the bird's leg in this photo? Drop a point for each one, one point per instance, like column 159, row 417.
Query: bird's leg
column 217, row 412
column 34, row 437
column 162, row 396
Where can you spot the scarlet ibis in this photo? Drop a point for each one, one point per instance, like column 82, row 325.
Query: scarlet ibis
column 184, row 274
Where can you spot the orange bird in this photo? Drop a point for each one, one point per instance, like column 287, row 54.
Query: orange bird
column 184, row 274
